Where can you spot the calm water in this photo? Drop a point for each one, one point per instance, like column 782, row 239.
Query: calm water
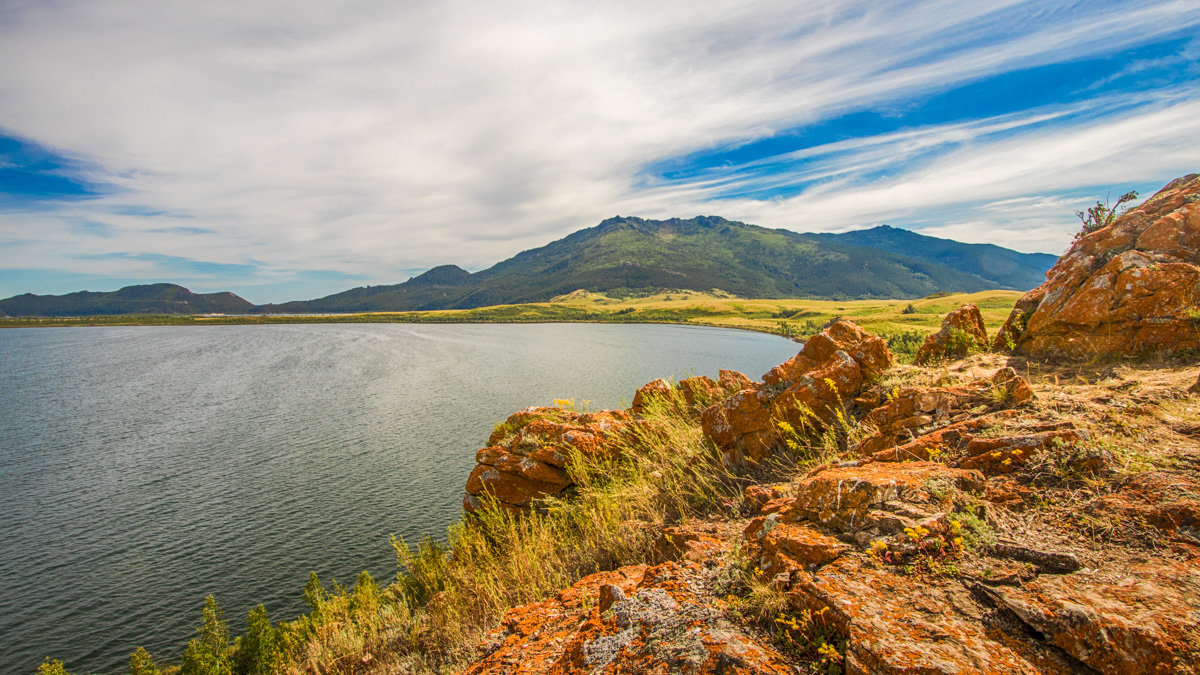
column 143, row 468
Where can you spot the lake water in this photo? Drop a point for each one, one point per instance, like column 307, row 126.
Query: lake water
column 142, row 468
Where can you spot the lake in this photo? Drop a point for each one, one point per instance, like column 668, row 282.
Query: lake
column 142, row 468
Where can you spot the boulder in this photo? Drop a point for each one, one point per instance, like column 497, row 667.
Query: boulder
column 1127, row 289
column 658, row 389
column 527, row 455
column 731, row 380
column 741, row 427
column 788, row 547
column 808, row 391
column 962, row 330
column 699, row 391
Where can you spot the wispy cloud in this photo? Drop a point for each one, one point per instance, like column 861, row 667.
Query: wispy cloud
column 373, row 138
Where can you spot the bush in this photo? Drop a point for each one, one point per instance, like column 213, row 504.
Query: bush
column 1101, row 216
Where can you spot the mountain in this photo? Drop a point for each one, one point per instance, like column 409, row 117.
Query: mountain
column 1008, row 268
column 438, row 288
column 634, row 255
column 141, row 299
column 625, row 254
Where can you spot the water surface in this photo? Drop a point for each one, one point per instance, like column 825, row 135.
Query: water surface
column 142, row 468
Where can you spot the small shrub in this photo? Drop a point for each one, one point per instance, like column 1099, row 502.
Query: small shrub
column 961, row 343
column 209, row 653
column 140, row 663
column 904, row 345
column 909, row 309
column 52, row 667
column 1101, row 216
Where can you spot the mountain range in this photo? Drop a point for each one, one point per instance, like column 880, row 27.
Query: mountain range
column 627, row 255
column 141, row 299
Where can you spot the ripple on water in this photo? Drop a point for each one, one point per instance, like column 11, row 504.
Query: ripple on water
column 144, row 468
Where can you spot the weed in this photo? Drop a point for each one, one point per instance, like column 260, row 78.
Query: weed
column 1101, row 215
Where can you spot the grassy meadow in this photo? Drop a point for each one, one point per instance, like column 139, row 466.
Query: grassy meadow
column 903, row 322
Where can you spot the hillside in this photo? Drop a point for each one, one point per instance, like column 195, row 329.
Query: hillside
column 625, row 256
column 141, row 299
column 1009, row 268
column 635, row 255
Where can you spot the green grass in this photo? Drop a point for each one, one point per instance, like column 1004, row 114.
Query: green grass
column 786, row 317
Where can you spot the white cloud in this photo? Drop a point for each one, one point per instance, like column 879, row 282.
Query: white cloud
column 374, row 137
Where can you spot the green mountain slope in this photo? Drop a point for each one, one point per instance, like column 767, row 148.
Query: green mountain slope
column 703, row 253
column 634, row 255
column 1008, row 268
column 142, row 299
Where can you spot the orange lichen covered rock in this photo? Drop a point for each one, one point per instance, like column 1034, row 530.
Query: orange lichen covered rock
column 1146, row 621
column 740, row 426
column 870, row 352
column 961, row 329
column 731, row 380
column 916, row 411
column 787, row 547
column 659, row 388
column 526, row 455
column 654, row 620
column 678, row 542
column 757, row 496
column 935, row 443
column 699, row 390
column 995, row 456
column 1129, row 288
column 808, row 390
column 905, row 624
column 851, row 498
column 1167, row 502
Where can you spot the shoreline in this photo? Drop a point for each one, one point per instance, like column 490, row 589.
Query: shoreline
column 786, row 317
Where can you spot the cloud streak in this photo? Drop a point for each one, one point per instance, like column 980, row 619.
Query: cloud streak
column 371, row 139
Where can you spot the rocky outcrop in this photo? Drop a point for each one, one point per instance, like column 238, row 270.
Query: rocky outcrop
column 1130, row 288
column 527, row 455
column 636, row 619
column 911, row 555
column 807, row 391
column 962, row 330
column 915, row 419
column 1145, row 621
column 658, row 389
column 693, row 393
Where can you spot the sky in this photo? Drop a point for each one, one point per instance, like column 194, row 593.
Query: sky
column 291, row 149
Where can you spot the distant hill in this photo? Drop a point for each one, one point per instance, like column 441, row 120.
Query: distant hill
column 142, row 299
column 1008, row 268
column 635, row 255
column 625, row 255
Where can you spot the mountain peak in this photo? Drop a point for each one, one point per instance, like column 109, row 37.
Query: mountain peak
column 442, row 275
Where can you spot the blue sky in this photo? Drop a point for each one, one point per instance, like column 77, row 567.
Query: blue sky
column 286, row 150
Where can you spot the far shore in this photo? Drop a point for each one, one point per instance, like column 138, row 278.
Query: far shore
column 905, row 319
